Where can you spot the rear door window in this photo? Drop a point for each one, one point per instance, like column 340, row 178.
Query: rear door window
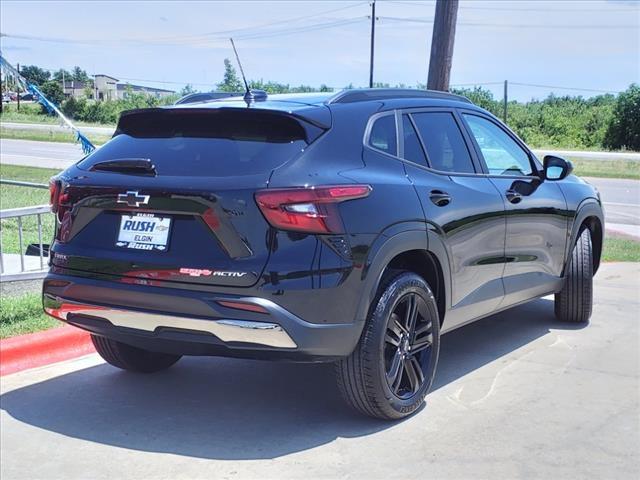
column 445, row 145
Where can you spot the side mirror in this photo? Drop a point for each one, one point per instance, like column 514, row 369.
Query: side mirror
column 556, row 168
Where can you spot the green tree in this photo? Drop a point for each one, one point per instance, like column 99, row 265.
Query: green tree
column 624, row 128
column 34, row 74
column 53, row 91
column 187, row 89
column 230, row 82
column 79, row 75
column 62, row 73
column 73, row 108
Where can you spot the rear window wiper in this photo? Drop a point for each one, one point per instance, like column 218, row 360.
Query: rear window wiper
column 132, row 166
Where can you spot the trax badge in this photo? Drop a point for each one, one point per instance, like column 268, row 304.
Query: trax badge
column 133, row 199
column 199, row 272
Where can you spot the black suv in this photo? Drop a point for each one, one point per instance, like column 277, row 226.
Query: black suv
column 354, row 228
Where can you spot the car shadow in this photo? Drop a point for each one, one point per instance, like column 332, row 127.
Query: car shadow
column 239, row 409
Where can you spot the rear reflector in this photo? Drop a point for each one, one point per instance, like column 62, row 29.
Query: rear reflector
column 310, row 210
column 249, row 307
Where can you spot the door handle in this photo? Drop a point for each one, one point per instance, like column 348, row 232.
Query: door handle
column 440, row 198
column 513, row 196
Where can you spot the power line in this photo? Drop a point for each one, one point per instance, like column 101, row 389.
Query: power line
column 577, row 89
column 526, row 9
column 521, row 84
column 513, row 25
column 198, row 39
column 302, row 29
column 260, row 26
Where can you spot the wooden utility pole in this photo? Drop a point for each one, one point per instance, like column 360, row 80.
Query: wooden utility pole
column 444, row 32
column 373, row 39
column 505, row 102
column 18, row 88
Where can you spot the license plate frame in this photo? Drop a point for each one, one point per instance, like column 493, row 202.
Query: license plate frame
column 144, row 231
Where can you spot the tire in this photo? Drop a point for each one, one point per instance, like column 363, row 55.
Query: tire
column 391, row 369
column 131, row 358
column 574, row 302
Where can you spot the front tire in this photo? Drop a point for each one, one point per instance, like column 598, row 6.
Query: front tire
column 392, row 368
column 131, row 358
column 574, row 302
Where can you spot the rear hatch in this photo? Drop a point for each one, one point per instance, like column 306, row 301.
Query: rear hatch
column 171, row 197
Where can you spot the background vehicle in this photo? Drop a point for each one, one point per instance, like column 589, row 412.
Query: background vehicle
column 204, row 97
column 354, row 227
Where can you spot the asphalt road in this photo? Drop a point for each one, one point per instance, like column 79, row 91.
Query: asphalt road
column 517, row 395
column 621, row 197
column 39, row 154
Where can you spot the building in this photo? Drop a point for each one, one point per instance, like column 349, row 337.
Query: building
column 105, row 87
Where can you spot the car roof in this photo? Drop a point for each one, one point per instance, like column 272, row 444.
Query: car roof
column 356, row 95
column 315, row 106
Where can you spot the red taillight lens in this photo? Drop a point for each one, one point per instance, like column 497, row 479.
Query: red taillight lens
column 54, row 194
column 310, row 210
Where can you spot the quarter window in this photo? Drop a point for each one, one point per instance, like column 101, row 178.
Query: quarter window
column 446, row 149
column 501, row 153
column 383, row 135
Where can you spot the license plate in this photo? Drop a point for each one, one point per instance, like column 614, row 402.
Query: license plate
column 144, row 232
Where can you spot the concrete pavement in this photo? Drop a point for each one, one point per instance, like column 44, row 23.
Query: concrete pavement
column 517, row 395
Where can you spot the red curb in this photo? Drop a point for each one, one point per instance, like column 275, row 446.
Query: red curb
column 42, row 348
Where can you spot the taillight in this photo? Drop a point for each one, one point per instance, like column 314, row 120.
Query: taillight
column 310, row 210
column 54, row 194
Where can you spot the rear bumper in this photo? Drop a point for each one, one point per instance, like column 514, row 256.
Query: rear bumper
column 193, row 323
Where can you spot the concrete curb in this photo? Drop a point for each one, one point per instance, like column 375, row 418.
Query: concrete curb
column 42, row 348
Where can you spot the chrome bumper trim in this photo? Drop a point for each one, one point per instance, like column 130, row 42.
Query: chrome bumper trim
column 227, row 330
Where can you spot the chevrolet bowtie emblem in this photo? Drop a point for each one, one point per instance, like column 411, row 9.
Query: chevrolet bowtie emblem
column 133, row 199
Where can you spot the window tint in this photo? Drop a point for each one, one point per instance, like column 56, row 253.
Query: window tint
column 443, row 140
column 412, row 148
column 215, row 143
column 501, row 153
column 383, row 135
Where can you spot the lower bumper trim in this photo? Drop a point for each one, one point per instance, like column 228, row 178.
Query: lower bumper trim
column 227, row 330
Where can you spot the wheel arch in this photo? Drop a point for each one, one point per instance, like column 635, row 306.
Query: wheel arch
column 589, row 215
column 416, row 250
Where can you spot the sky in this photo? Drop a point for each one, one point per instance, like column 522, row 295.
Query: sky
column 587, row 46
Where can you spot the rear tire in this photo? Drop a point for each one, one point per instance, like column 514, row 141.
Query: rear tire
column 392, row 368
column 131, row 358
column 574, row 302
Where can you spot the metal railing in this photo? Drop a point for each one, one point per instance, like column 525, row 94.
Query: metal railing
column 20, row 183
column 9, row 270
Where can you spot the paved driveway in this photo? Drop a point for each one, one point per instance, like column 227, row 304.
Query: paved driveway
column 516, row 395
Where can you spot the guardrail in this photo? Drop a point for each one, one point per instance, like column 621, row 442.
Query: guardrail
column 10, row 269
column 20, row 183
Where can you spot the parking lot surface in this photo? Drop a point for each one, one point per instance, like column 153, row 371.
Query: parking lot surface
column 516, row 395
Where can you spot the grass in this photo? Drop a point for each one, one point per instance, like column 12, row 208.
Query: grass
column 50, row 136
column 606, row 168
column 32, row 113
column 14, row 197
column 621, row 250
column 19, row 315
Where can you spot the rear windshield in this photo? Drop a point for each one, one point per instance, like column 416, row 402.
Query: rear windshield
column 214, row 143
